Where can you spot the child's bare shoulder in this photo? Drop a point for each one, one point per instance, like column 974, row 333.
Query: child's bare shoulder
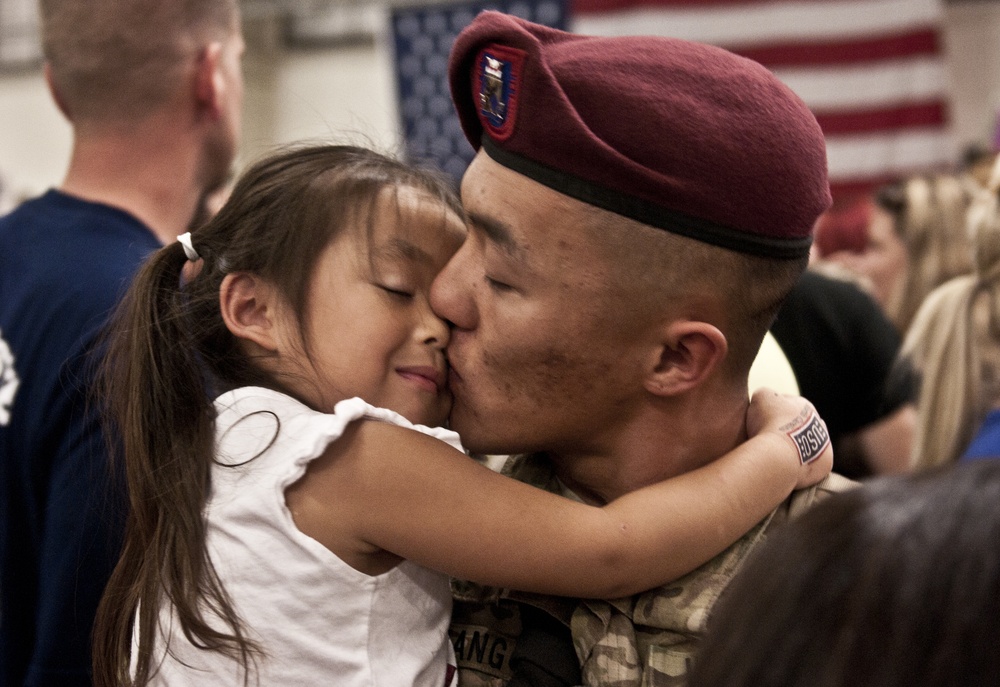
column 376, row 443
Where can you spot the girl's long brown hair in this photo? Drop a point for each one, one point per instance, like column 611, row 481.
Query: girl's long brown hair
column 169, row 353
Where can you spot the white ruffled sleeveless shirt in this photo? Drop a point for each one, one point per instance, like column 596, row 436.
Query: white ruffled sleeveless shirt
column 319, row 621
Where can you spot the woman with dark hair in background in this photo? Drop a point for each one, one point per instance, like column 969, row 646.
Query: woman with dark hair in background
column 896, row 583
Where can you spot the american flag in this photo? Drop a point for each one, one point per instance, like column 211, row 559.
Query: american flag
column 422, row 37
column 872, row 71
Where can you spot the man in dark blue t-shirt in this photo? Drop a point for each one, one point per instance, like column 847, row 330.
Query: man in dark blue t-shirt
column 59, row 524
column 156, row 124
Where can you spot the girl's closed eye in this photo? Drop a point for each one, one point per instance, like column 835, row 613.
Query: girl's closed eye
column 401, row 292
column 394, row 279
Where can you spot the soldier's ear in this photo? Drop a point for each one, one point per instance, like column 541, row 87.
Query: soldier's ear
column 688, row 352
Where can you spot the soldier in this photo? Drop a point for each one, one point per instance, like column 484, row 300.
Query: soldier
column 639, row 208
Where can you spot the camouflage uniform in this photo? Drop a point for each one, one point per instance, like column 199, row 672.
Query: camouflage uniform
column 647, row 640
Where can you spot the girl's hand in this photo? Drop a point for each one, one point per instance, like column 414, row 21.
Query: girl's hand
column 796, row 420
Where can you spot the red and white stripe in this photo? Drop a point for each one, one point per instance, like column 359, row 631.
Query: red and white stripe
column 872, row 71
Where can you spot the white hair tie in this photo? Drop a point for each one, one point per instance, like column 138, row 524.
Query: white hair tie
column 185, row 240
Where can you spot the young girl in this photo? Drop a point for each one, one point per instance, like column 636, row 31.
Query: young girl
column 288, row 532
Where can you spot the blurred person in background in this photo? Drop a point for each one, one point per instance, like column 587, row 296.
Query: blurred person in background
column 977, row 164
column 153, row 92
column 901, row 243
column 954, row 343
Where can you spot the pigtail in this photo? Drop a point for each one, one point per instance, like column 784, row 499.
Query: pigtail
column 157, row 404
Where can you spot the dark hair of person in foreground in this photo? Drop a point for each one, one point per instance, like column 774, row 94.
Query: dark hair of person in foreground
column 896, row 583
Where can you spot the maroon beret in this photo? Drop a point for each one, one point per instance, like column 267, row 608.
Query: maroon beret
column 678, row 135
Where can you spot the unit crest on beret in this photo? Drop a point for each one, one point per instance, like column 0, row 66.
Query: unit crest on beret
column 497, row 79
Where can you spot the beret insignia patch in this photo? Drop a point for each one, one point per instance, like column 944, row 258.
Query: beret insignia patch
column 497, row 80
